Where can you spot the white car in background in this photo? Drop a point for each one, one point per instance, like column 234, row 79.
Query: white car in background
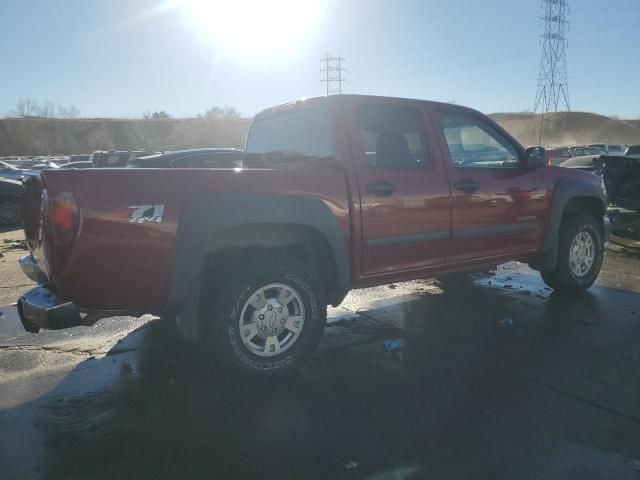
column 615, row 149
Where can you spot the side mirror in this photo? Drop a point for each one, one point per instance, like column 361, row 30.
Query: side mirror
column 535, row 157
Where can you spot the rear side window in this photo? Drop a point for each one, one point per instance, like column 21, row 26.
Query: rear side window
column 392, row 136
column 292, row 133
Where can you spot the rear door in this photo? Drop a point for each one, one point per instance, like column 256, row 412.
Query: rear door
column 404, row 192
column 499, row 208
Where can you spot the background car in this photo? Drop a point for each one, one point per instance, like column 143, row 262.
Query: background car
column 10, row 202
column 588, row 151
column 633, row 151
column 587, row 163
column 116, row 158
column 14, row 173
column 557, row 155
column 83, row 164
column 194, row 158
column 611, row 149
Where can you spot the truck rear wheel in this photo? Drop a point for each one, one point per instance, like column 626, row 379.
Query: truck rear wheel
column 580, row 254
column 269, row 317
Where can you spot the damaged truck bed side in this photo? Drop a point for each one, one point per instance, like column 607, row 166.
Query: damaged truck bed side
column 335, row 193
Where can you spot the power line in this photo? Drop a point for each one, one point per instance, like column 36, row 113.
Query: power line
column 333, row 70
column 553, row 88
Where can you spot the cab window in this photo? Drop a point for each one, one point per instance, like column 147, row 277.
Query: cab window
column 474, row 143
column 392, row 136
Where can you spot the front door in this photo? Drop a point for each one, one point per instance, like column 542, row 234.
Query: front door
column 498, row 207
column 404, row 192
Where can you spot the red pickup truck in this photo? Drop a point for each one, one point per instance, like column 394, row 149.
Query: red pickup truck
column 335, row 193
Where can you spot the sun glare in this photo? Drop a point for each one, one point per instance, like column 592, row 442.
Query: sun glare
column 254, row 27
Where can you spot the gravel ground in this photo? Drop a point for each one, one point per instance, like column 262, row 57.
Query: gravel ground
column 12, row 281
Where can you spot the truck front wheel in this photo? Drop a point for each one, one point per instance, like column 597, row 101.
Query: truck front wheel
column 580, row 254
column 269, row 316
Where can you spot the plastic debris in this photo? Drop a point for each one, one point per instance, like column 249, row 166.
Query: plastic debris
column 393, row 344
column 634, row 463
column 351, row 465
column 506, row 323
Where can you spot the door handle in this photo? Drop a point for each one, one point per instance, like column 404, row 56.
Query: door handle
column 381, row 189
column 467, row 185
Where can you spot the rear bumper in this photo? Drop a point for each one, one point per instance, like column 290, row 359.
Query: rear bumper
column 41, row 308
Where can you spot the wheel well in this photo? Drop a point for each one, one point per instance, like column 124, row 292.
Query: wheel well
column 580, row 205
column 240, row 244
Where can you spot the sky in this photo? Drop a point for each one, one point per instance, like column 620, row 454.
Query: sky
column 120, row 58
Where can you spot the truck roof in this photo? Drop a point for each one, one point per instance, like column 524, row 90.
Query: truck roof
column 340, row 98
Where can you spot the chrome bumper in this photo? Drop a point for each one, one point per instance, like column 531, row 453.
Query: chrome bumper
column 41, row 308
column 31, row 269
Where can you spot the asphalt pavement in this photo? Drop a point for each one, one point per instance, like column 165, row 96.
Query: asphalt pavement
column 495, row 377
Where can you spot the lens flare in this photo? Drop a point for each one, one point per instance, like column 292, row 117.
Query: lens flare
column 254, row 27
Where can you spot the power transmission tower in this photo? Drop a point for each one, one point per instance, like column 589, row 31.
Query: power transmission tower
column 333, row 70
column 553, row 87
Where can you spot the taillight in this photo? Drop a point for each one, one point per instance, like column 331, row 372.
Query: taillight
column 64, row 216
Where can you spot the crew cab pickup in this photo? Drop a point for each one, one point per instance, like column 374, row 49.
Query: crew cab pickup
column 335, row 193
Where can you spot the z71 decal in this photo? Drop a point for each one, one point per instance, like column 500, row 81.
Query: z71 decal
column 146, row 213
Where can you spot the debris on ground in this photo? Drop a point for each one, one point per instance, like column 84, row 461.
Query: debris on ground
column 393, row 344
column 10, row 244
column 391, row 285
column 506, row 323
column 634, row 463
column 351, row 465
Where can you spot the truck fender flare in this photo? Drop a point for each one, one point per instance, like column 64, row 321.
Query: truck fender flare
column 566, row 189
column 212, row 213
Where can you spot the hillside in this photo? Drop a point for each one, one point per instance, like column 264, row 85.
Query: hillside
column 37, row 136
column 569, row 128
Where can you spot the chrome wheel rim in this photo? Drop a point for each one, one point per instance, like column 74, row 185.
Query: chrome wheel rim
column 9, row 212
column 582, row 253
column 271, row 320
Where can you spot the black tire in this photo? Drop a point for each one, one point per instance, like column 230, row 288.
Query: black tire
column 563, row 278
column 224, row 335
column 10, row 213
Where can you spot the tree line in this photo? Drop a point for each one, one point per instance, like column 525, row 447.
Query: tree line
column 214, row 113
column 29, row 107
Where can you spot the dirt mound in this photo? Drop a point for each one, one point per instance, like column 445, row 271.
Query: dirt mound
column 39, row 136
column 569, row 128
